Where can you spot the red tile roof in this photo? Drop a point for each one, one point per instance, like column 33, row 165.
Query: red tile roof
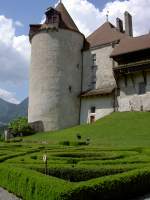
column 132, row 44
column 105, row 34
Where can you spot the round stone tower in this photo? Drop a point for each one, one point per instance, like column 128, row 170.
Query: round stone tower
column 55, row 71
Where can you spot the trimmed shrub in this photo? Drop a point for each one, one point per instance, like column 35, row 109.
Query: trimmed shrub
column 76, row 174
column 121, row 186
column 34, row 157
column 65, row 143
column 29, row 184
column 78, row 136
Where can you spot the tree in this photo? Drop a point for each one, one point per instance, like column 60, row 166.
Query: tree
column 20, row 126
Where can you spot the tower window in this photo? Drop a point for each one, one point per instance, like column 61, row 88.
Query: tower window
column 70, row 89
column 93, row 59
column 93, row 109
column 54, row 19
column 142, row 88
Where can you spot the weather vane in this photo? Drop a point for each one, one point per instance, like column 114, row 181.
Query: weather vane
column 107, row 16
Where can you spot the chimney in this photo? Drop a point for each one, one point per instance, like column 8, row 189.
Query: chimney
column 128, row 24
column 119, row 24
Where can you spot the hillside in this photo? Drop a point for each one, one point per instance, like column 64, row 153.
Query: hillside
column 128, row 129
column 9, row 111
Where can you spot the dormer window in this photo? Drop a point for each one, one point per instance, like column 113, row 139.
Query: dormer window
column 52, row 16
column 54, row 19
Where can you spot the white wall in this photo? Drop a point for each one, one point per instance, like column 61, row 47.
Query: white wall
column 103, row 104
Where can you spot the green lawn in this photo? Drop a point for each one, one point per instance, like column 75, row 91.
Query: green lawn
column 116, row 160
column 122, row 130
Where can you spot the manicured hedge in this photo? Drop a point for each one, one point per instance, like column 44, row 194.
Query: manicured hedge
column 121, row 186
column 31, row 185
column 76, row 174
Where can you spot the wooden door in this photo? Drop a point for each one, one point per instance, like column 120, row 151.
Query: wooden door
column 92, row 119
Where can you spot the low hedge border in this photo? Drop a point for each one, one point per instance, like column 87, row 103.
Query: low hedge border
column 29, row 184
column 127, row 185
column 77, row 174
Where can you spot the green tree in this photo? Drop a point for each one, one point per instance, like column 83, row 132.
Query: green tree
column 20, row 126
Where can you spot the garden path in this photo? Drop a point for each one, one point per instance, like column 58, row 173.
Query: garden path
column 4, row 195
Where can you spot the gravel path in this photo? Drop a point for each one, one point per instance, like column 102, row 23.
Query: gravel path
column 4, row 195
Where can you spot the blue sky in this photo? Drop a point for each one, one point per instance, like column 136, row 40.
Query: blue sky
column 16, row 15
column 31, row 11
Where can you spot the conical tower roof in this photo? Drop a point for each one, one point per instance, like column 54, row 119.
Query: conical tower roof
column 66, row 20
column 55, row 18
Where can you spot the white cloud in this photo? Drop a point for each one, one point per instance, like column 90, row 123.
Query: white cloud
column 14, row 53
column 88, row 17
column 18, row 23
column 8, row 96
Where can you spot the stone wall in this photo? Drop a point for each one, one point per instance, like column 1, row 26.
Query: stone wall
column 129, row 98
column 87, row 63
column 55, row 78
column 104, row 79
column 104, row 73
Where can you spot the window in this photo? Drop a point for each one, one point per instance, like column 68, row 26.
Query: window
column 93, row 59
column 70, row 89
column 93, row 84
column 93, row 109
column 93, row 77
column 142, row 88
column 54, row 19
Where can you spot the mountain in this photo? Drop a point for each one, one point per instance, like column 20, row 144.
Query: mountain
column 10, row 111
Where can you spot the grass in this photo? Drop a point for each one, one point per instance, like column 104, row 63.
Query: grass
column 122, row 130
column 118, row 154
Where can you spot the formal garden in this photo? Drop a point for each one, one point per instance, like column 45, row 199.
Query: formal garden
column 109, row 159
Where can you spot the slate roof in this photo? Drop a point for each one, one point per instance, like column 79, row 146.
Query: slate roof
column 132, row 44
column 65, row 21
column 105, row 34
column 98, row 92
column 66, row 18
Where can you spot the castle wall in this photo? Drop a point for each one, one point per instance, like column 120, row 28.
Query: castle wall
column 104, row 72
column 103, row 106
column 55, row 78
column 87, row 64
column 104, row 79
column 129, row 98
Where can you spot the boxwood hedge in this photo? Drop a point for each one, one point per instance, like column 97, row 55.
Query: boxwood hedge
column 121, row 186
column 29, row 184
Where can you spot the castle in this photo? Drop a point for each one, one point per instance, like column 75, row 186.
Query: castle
column 75, row 80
